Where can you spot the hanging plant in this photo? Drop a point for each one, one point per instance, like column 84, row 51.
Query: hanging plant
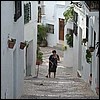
column 91, row 49
column 24, row 44
column 69, row 14
column 11, row 43
column 69, row 38
column 84, row 41
column 88, row 56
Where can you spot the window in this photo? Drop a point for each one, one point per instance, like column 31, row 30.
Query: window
column 75, row 17
column 91, row 35
column 75, row 26
column 50, row 28
column 38, row 2
column 69, row 37
column 87, row 26
column 39, row 14
column 27, row 12
column 18, row 10
column 94, row 38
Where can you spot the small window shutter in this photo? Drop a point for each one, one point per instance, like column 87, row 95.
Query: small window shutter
column 27, row 12
column 18, row 10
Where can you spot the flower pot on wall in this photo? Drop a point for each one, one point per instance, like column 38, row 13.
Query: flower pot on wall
column 38, row 62
column 84, row 41
column 11, row 43
column 91, row 49
column 22, row 45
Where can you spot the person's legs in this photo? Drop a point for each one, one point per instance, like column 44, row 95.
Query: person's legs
column 54, row 74
column 49, row 74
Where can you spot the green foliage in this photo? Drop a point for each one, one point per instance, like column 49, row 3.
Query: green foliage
column 69, row 14
column 64, row 47
column 88, row 56
column 13, row 40
column 42, row 32
column 69, row 38
column 39, row 54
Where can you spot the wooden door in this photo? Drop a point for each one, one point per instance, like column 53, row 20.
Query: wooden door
column 61, row 29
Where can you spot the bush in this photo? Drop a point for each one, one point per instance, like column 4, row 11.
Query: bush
column 88, row 56
column 69, row 38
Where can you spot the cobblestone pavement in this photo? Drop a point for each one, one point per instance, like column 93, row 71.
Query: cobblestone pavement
column 64, row 86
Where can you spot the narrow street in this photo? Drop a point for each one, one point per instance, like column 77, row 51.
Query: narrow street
column 64, row 86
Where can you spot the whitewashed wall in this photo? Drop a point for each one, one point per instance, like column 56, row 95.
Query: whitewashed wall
column 49, row 18
column 59, row 9
column 85, row 67
column 11, row 60
column 53, row 11
column 85, row 71
column 68, row 54
column 30, row 34
column 95, row 67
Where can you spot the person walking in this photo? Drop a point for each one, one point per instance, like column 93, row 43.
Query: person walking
column 53, row 59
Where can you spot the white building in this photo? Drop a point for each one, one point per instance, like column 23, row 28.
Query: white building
column 12, row 60
column 15, row 25
column 30, row 35
column 87, row 27
column 54, row 19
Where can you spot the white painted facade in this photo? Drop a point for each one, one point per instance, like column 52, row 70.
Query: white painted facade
column 68, row 54
column 30, row 35
column 53, row 11
column 94, row 22
column 12, row 60
column 79, row 50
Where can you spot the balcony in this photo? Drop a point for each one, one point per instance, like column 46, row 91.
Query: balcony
column 92, row 5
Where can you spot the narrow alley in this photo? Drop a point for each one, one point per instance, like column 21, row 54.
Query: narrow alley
column 64, row 86
column 31, row 30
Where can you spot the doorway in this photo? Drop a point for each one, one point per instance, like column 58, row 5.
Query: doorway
column 29, row 58
column 61, row 29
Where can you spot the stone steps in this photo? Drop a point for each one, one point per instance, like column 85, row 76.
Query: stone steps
column 58, row 46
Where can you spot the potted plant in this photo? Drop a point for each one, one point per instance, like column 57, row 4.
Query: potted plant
column 11, row 43
column 88, row 56
column 64, row 48
column 39, row 59
column 23, row 44
column 84, row 41
column 91, row 49
column 42, row 35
